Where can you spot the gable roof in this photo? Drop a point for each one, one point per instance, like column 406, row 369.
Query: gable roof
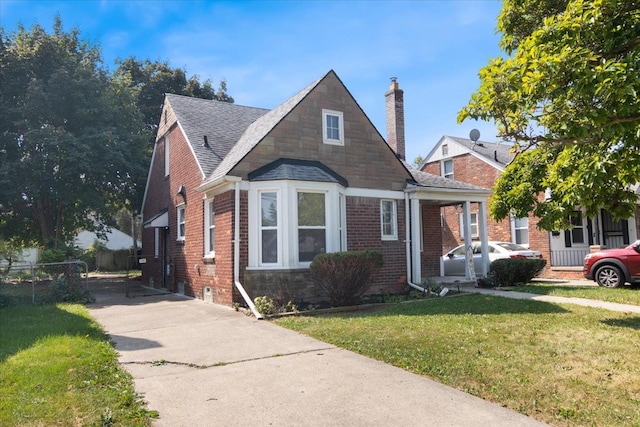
column 195, row 117
column 497, row 155
column 258, row 130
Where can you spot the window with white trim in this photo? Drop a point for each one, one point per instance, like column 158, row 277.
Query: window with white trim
column 180, row 215
column 445, row 149
column 312, row 238
column 269, row 227
column 332, row 127
column 388, row 219
column 210, row 228
column 290, row 222
column 447, row 168
column 474, row 225
column 166, row 155
column 520, row 231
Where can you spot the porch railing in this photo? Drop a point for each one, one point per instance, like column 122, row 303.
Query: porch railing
column 568, row 258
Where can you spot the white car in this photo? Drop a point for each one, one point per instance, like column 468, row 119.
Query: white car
column 454, row 260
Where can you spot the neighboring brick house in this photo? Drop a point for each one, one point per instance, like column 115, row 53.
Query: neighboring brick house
column 481, row 163
column 239, row 199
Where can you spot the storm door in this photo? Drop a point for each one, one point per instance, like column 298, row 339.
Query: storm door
column 614, row 232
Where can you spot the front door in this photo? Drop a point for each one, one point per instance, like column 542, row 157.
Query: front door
column 614, row 232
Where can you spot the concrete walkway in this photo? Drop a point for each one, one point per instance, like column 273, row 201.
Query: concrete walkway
column 201, row 364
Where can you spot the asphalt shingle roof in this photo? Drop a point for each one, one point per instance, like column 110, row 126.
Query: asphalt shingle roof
column 223, row 123
column 297, row 170
column 499, row 153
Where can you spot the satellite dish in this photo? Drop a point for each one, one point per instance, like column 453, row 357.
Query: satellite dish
column 474, row 135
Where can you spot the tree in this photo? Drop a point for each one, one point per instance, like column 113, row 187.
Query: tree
column 149, row 81
column 567, row 97
column 70, row 137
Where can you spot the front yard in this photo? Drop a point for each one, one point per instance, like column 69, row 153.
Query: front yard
column 57, row 367
column 562, row 364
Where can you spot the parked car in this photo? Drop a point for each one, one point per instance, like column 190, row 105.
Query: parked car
column 454, row 260
column 612, row 268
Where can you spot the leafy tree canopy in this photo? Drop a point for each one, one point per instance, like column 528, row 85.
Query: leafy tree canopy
column 567, row 97
column 75, row 140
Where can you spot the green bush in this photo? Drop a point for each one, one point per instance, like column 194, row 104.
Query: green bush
column 345, row 276
column 513, row 271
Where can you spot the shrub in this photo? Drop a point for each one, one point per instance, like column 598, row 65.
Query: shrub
column 265, row 305
column 513, row 271
column 344, row 276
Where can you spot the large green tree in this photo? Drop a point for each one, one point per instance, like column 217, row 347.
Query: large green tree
column 70, row 136
column 567, row 96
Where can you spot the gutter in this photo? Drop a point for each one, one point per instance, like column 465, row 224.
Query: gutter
column 236, row 257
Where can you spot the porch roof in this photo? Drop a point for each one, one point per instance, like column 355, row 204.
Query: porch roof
column 443, row 191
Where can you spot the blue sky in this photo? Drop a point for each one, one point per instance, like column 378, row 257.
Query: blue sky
column 269, row 50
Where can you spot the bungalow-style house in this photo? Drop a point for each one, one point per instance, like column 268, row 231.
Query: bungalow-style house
column 480, row 163
column 239, row 200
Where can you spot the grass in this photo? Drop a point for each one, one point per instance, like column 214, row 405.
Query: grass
column 57, row 367
column 622, row 295
column 562, row 364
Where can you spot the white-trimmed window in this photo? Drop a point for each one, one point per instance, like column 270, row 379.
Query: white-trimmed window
column 312, row 225
column 474, row 225
column 290, row 222
column 520, row 231
column 447, row 168
column 166, row 155
column 445, row 150
column 210, row 228
column 269, row 242
column 180, row 215
column 332, row 127
column 388, row 219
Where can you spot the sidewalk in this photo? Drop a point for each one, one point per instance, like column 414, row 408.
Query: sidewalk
column 625, row 308
column 201, row 364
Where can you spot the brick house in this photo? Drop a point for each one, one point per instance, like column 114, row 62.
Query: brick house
column 481, row 163
column 240, row 199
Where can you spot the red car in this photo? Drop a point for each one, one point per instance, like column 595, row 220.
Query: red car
column 614, row 267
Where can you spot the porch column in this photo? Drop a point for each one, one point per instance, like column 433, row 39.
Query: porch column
column 467, row 234
column 484, row 244
column 415, row 242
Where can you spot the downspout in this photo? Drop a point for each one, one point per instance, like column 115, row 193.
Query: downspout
column 236, row 257
column 407, row 240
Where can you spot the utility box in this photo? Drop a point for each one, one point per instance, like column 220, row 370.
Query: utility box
column 207, row 292
column 180, row 287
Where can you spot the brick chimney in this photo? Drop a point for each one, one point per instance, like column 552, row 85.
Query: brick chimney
column 395, row 118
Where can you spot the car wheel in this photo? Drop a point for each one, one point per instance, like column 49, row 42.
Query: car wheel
column 609, row 276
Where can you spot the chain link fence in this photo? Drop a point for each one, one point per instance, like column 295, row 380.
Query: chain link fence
column 45, row 283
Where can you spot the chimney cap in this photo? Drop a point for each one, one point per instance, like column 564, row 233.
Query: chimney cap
column 394, row 83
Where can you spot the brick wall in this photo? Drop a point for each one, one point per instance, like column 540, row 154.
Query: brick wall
column 364, row 233
column 431, row 240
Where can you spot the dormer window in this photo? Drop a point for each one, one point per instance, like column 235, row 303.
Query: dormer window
column 332, row 127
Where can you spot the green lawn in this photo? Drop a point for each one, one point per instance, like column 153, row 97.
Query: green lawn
column 57, row 367
column 622, row 295
column 562, row 364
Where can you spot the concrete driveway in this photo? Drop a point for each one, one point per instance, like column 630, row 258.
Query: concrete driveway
column 201, row 364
